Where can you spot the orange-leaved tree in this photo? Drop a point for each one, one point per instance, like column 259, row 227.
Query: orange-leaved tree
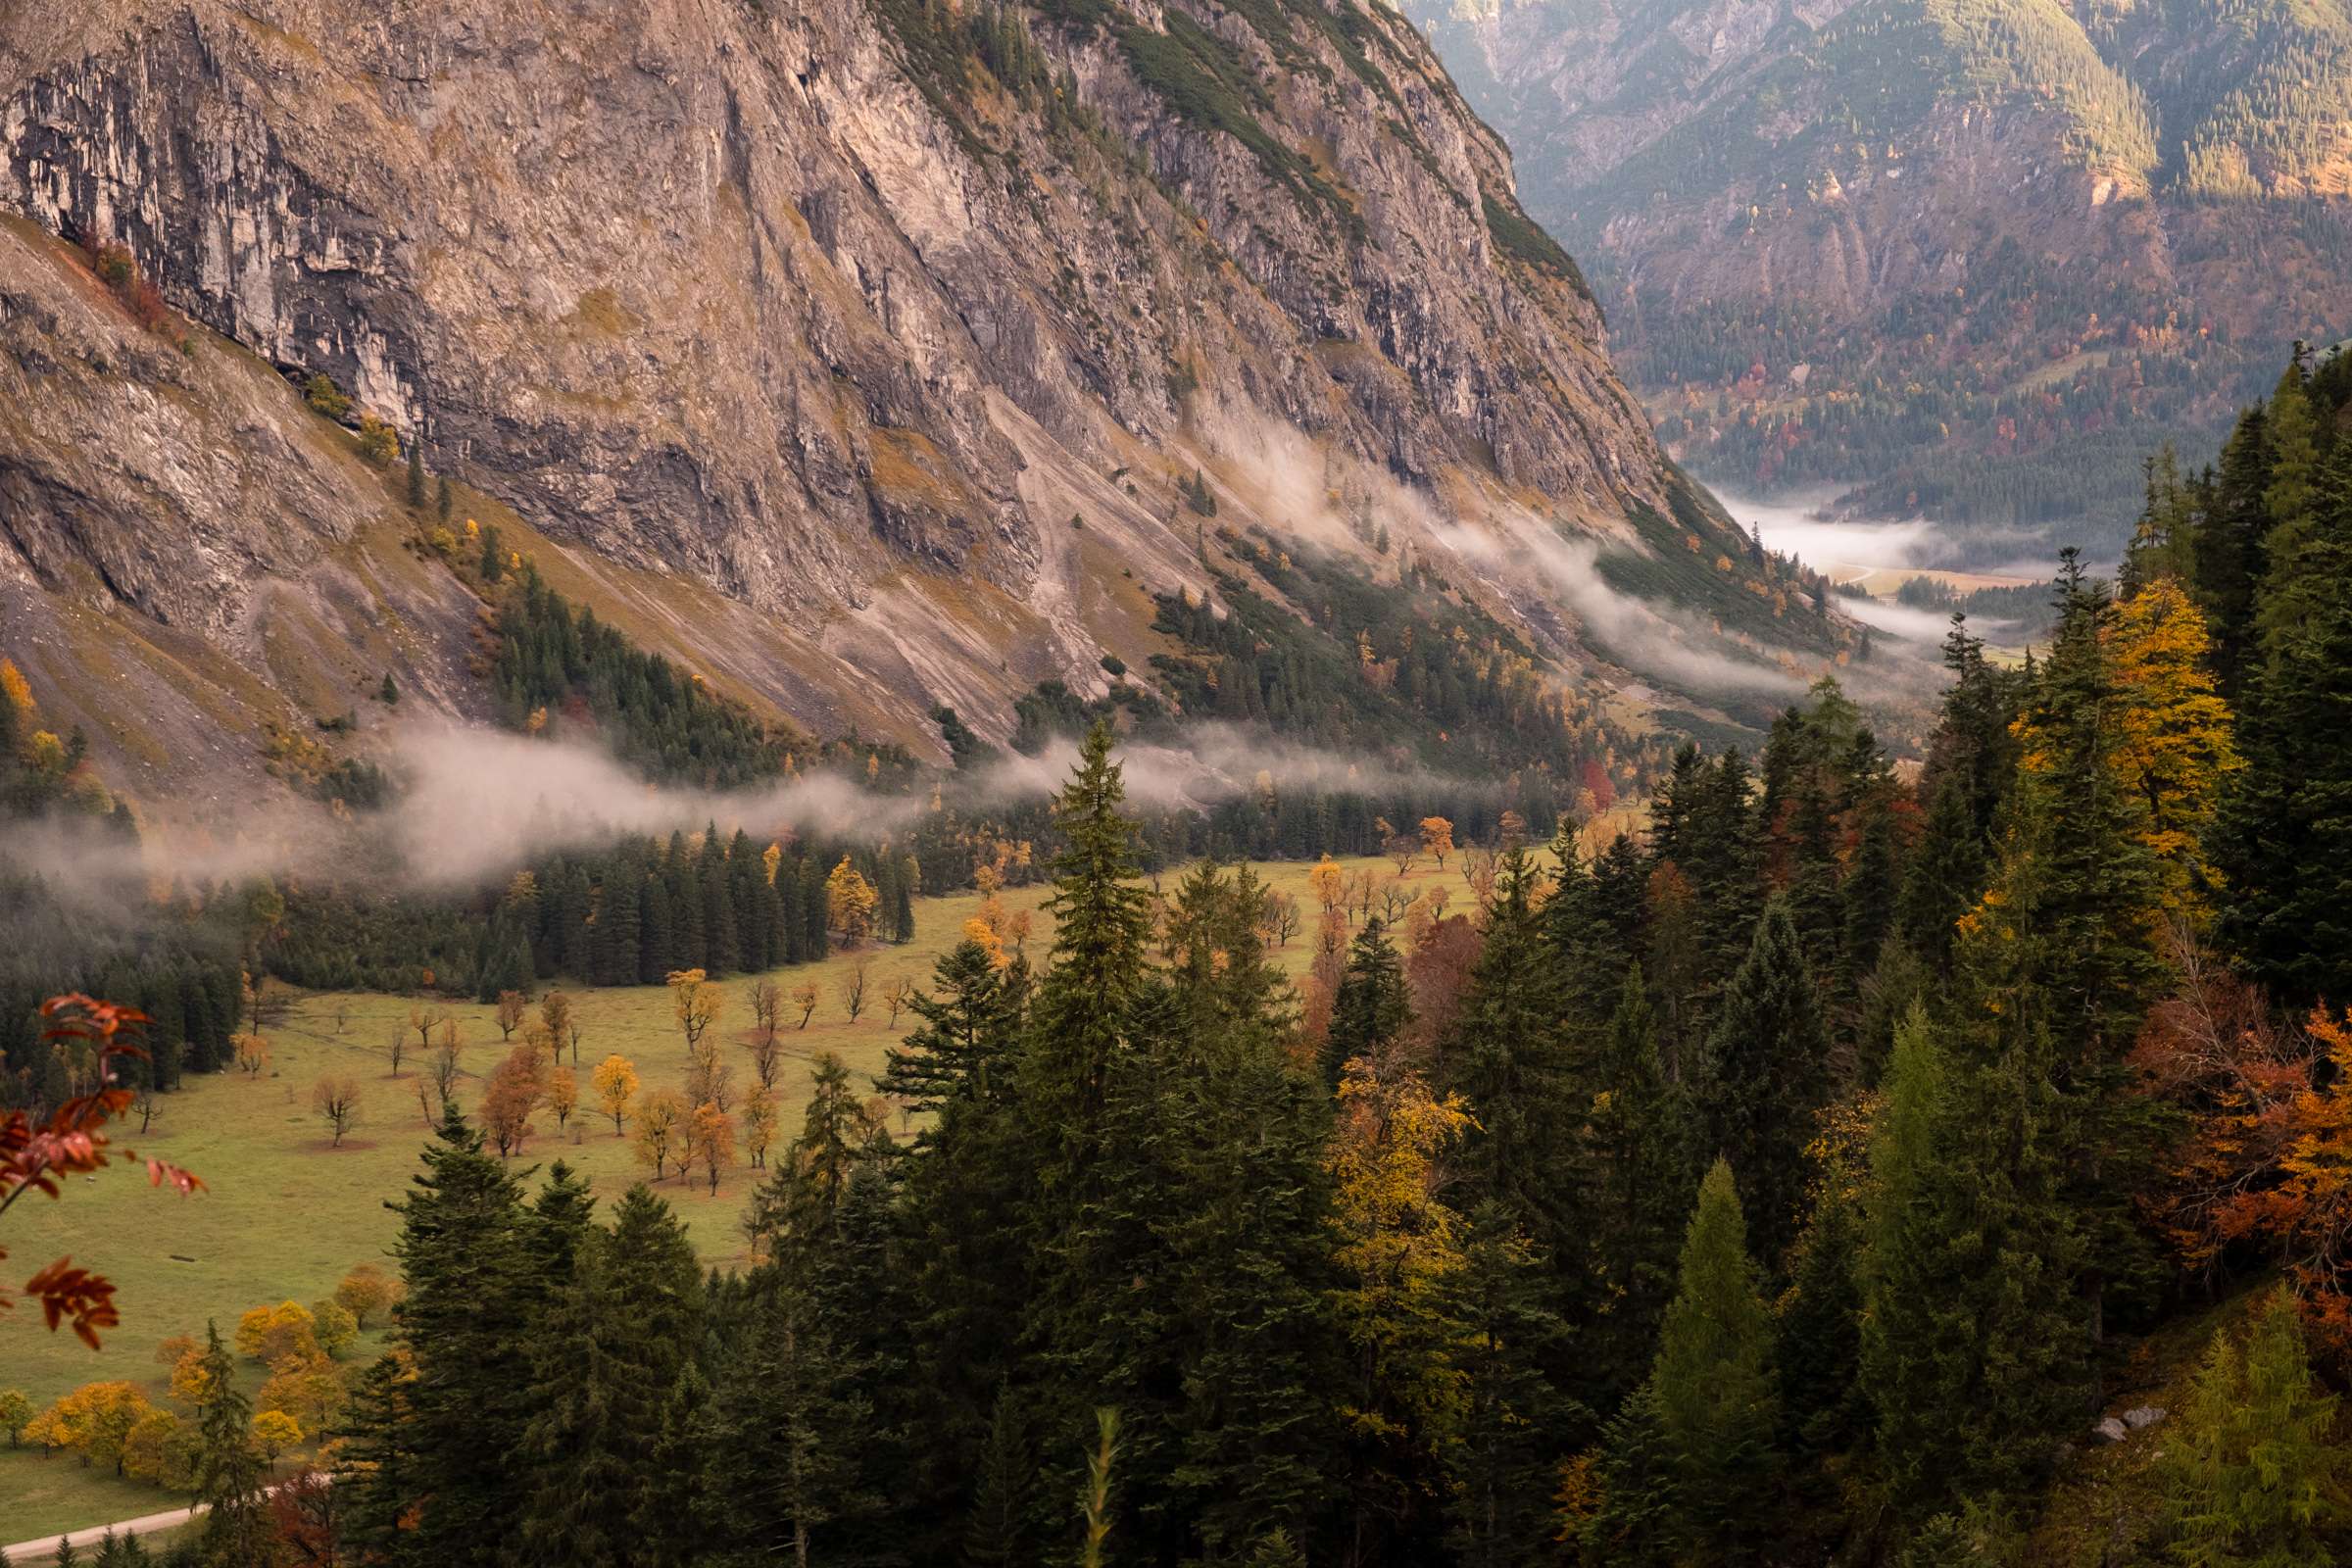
column 35, row 1156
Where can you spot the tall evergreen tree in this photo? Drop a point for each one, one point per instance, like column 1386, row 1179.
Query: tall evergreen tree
column 471, row 1301
column 1638, row 1171
column 1766, row 1075
column 604, row 1361
column 2230, row 557
column 1972, row 1354
column 1509, row 1059
column 1100, row 924
column 1718, row 1404
column 1516, row 1426
column 2284, row 839
column 1372, row 1005
column 231, row 1471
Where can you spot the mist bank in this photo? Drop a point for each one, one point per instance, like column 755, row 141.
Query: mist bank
column 1819, row 530
column 470, row 805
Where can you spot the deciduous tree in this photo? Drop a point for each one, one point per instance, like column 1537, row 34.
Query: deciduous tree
column 615, row 1083
column 338, row 1100
column 661, row 1129
column 367, row 1291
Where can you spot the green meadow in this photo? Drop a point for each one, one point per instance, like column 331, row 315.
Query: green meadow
column 285, row 1213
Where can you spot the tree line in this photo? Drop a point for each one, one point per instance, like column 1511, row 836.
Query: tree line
column 1793, row 1178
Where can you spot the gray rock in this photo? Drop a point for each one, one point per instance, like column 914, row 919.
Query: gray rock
column 2109, row 1431
column 727, row 292
column 2142, row 1415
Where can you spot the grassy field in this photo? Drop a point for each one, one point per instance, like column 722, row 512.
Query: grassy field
column 285, row 1213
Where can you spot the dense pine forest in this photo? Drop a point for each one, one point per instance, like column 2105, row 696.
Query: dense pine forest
column 1788, row 1183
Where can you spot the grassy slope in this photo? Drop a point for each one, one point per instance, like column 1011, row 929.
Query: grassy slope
column 286, row 1215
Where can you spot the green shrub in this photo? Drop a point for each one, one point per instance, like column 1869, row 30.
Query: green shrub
column 321, row 393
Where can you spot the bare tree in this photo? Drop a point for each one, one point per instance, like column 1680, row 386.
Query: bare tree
column 268, row 1002
column 896, row 995
column 1281, row 917
column 338, row 1100
column 342, row 1015
column 767, row 1006
column 562, row 1021
column 511, row 1007
column 445, row 1063
column 1404, row 848
column 803, row 997
column 851, row 988
column 400, row 1046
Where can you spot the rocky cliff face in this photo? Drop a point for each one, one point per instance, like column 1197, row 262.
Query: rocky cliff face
column 1943, row 213
column 841, row 310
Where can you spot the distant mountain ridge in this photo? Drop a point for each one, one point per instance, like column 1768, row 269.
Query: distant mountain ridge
column 1974, row 257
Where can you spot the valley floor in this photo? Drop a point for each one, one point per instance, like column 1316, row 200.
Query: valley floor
column 285, row 1213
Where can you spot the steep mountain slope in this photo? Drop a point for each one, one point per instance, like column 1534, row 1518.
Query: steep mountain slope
column 1976, row 256
column 858, row 353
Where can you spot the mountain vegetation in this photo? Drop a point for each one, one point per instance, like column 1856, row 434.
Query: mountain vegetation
column 1802, row 1175
column 1966, row 259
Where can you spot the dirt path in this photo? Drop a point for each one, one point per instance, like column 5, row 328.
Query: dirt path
column 145, row 1524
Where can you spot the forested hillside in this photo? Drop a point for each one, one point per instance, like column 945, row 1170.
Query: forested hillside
column 1835, row 1168
column 1961, row 258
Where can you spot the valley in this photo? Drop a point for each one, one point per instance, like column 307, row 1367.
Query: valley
column 1177, row 783
column 1967, row 259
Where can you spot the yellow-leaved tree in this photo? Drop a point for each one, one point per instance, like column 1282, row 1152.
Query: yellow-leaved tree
column 2174, row 747
column 850, row 900
column 1400, row 1249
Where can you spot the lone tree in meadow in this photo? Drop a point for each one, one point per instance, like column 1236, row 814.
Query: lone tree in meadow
column 697, row 1003
column 338, row 1100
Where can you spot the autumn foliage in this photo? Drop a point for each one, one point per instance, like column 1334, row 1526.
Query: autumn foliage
column 35, row 1156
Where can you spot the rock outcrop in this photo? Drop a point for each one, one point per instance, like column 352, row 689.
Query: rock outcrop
column 841, row 310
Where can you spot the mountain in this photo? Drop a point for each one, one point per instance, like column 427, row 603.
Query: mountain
column 864, row 358
column 1969, row 258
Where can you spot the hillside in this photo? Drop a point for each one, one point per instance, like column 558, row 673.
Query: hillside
column 1969, row 259
column 863, row 359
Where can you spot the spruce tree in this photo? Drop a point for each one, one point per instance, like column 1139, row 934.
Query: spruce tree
column 2230, row 556
column 231, row 1472
column 472, row 1301
column 604, row 1363
column 1766, row 1076
column 1820, row 1322
column 1718, row 1404
column 1638, row 1170
column 1509, row 1058
column 1973, row 1355
column 1636, row 1523
column 1007, row 1523
column 788, row 1425
column 1100, row 924
column 2062, row 951
column 960, row 1051
column 416, row 474
column 1372, row 1005
column 2284, row 842
column 1516, row 1426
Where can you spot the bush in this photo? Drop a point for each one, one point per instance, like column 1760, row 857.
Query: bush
column 321, row 394
column 379, row 443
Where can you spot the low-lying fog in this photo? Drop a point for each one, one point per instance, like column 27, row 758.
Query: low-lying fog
column 1802, row 525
